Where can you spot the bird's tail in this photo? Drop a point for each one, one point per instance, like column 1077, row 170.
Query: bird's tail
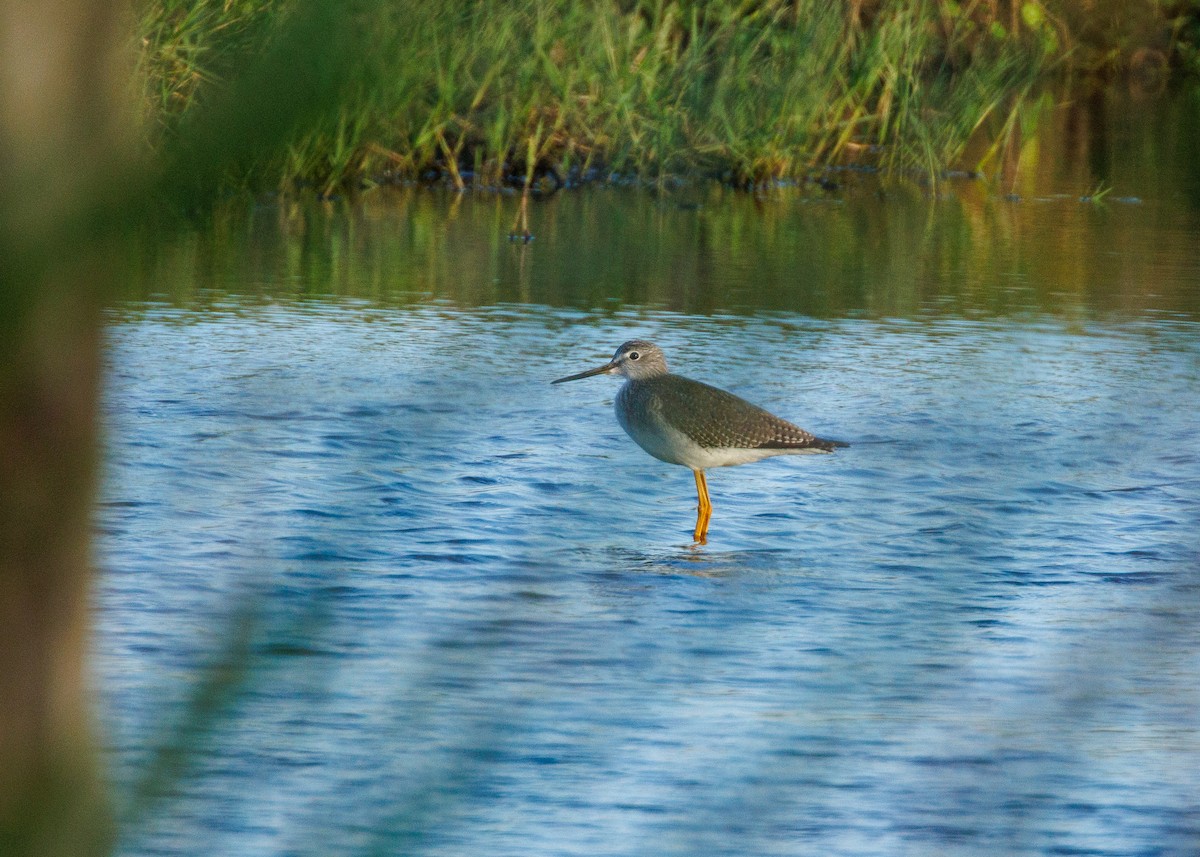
column 829, row 445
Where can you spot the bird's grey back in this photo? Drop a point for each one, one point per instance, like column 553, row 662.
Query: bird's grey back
column 714, row 418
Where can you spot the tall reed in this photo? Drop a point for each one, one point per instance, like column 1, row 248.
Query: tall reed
column 501, row 90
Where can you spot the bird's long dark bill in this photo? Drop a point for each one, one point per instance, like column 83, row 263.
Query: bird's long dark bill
column 599, row 370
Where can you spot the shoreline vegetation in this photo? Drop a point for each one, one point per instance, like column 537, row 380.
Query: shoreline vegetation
column 542, row 94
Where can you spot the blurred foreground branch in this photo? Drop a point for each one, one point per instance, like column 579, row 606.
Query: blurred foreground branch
column 74, row 179
column 65, row 136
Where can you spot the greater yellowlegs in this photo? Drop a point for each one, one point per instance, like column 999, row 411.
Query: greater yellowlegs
column 686, row 422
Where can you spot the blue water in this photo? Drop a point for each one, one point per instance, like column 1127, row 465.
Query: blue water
column 465, row 615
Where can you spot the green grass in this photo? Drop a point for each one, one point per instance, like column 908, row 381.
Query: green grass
column 513, row 90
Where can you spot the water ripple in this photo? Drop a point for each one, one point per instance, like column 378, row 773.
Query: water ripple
column 971, row 632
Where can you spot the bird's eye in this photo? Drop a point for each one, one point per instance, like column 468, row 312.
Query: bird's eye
column 633, row 355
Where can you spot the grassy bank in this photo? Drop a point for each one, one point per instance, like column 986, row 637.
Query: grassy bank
column 546, row 90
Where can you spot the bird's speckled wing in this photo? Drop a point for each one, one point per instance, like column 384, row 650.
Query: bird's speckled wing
column 716, row 419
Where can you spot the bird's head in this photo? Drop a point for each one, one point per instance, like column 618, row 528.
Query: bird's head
column 636, row 359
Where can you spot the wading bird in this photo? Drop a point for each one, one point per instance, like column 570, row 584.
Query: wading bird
column 687, row 422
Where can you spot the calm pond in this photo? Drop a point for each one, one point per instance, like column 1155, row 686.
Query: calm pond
column 370, row 585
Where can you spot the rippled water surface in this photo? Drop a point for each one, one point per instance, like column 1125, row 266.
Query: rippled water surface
column 369, row 584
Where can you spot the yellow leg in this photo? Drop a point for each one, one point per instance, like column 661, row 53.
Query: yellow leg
column 704, row 511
